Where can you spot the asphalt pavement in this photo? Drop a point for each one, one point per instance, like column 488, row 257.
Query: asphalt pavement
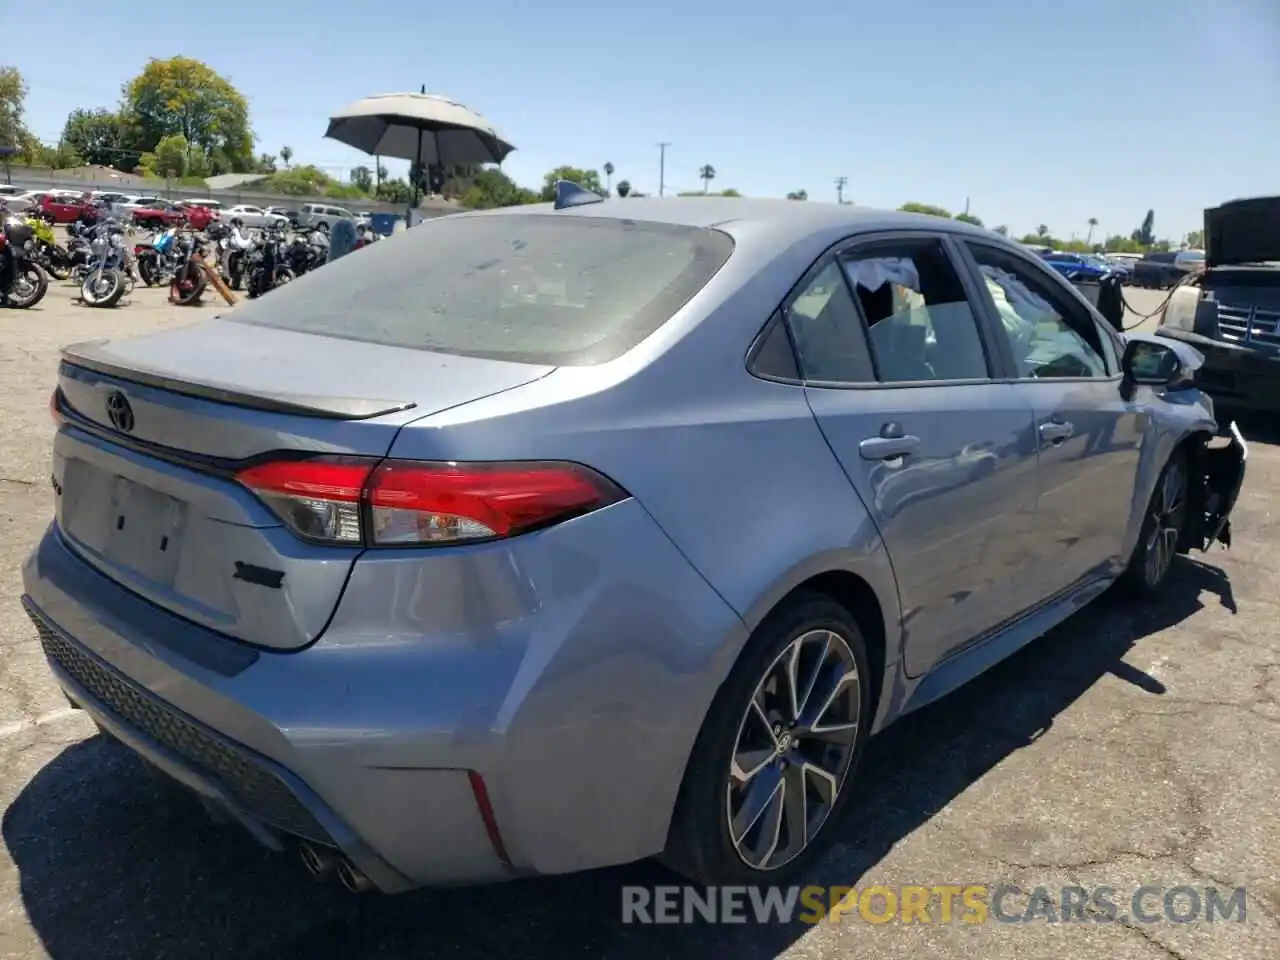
column 1133, row 747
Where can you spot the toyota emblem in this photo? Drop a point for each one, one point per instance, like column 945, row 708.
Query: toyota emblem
column 120, row 411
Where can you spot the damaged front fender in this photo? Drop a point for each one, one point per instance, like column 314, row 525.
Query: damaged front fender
column 1218, row 465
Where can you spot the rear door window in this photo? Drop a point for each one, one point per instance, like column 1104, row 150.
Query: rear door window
column 533, row 288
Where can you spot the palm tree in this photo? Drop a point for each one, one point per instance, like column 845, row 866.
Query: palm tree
column 608, row 177
column 706, row 175
column 624, row 187
column 286, row 154
column 1042, row 231
column 1093, row 222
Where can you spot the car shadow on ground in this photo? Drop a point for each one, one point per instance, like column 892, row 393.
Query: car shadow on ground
column 115, row 863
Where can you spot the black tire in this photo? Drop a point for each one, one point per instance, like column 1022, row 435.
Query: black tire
column 1153, row 556
column 699, row 843
column 113, row 289
column 147, row 270
column 35, row 284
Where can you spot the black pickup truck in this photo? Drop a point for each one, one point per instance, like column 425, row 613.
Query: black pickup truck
column 1231, row 311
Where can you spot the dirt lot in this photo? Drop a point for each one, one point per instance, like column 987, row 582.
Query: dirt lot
column 1131, row 747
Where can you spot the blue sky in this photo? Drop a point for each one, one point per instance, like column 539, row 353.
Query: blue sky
column 1038, row 112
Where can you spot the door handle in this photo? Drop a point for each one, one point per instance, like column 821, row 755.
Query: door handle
column 888, row 448
column 1055, row 431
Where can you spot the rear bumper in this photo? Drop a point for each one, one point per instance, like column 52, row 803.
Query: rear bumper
column 578, row 716
column 1234, row 376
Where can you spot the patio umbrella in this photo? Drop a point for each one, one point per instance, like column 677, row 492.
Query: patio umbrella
column 418, row 127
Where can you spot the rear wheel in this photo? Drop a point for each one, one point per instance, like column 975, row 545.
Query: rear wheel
column 1161, row 533
column 770, row 769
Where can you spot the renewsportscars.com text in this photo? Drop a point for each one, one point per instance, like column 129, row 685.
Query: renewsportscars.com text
column 940, row 903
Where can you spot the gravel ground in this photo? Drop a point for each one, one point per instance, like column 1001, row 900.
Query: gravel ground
column 1132, row 746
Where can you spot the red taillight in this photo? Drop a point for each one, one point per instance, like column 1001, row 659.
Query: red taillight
column 349, row 500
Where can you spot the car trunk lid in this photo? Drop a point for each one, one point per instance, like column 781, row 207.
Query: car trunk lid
column 153, row 431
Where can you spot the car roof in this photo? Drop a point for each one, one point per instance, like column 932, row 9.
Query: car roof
column 786, row 220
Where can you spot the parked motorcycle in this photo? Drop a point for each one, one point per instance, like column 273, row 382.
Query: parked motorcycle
column 158, row 259
column 189, row 280
column 234, row 246
column 53, row 258
column 111, row 271
column 22, row 283
column 268, row 264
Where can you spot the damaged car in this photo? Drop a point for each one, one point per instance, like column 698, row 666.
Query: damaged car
column 571, row 534
column 1231, row 311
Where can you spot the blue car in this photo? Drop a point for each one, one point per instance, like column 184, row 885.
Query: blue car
column 1079, row 266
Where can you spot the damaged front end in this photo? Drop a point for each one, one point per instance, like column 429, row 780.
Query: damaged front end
column 1218, row 464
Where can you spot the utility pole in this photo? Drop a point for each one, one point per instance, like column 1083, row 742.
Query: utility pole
column 840, row 185
column 662, row 167
column 966, row 206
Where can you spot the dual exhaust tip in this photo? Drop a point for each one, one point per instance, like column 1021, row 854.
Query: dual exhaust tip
column 320, row 862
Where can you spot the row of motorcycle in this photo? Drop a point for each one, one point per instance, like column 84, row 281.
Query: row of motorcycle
column 105, row 261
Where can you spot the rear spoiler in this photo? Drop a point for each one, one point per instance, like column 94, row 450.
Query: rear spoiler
column 94, row 356
column 1242, row 231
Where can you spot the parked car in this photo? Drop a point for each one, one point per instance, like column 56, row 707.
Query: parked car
column 598, row 556
column 125, row 208
column 65, row 208
column 1076, row 266
column 1230, row 312
column 245, row 215
column 162, row 216
column 26, row 201
column 1157, row 270
column 286, row 212
column 322, row 216
column 202, row 202
column 1189, row 261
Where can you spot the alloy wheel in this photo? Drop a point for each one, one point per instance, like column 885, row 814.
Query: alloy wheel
column 793, row 749
column 1167, row 509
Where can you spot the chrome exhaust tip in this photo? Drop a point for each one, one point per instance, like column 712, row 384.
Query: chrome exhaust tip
column 351, row 877
column 319, row 862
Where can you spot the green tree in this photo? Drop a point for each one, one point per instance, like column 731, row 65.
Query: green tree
column 1145, row 235
column 1003, row 230
column 1195, row 239
column 590, row 179
column 99, row 137
column 286, row 154
column 608, row 177
column 394, row 191
column 173, row 156
column 491, row 188
column 730, row 193
column 798, row 195
column 926, row 208
column 969, row 218
column 362, row 177
column 266, row 163
column 13, row 98
column 1042, row 232
column 624, row 187
column 1093, row 224
column 706, row 174
column 184, row 97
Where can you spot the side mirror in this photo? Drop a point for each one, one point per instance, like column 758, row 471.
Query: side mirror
column 1149, row 363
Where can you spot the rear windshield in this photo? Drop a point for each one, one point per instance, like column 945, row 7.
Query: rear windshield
column 1160, row 257
column 532, row 288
